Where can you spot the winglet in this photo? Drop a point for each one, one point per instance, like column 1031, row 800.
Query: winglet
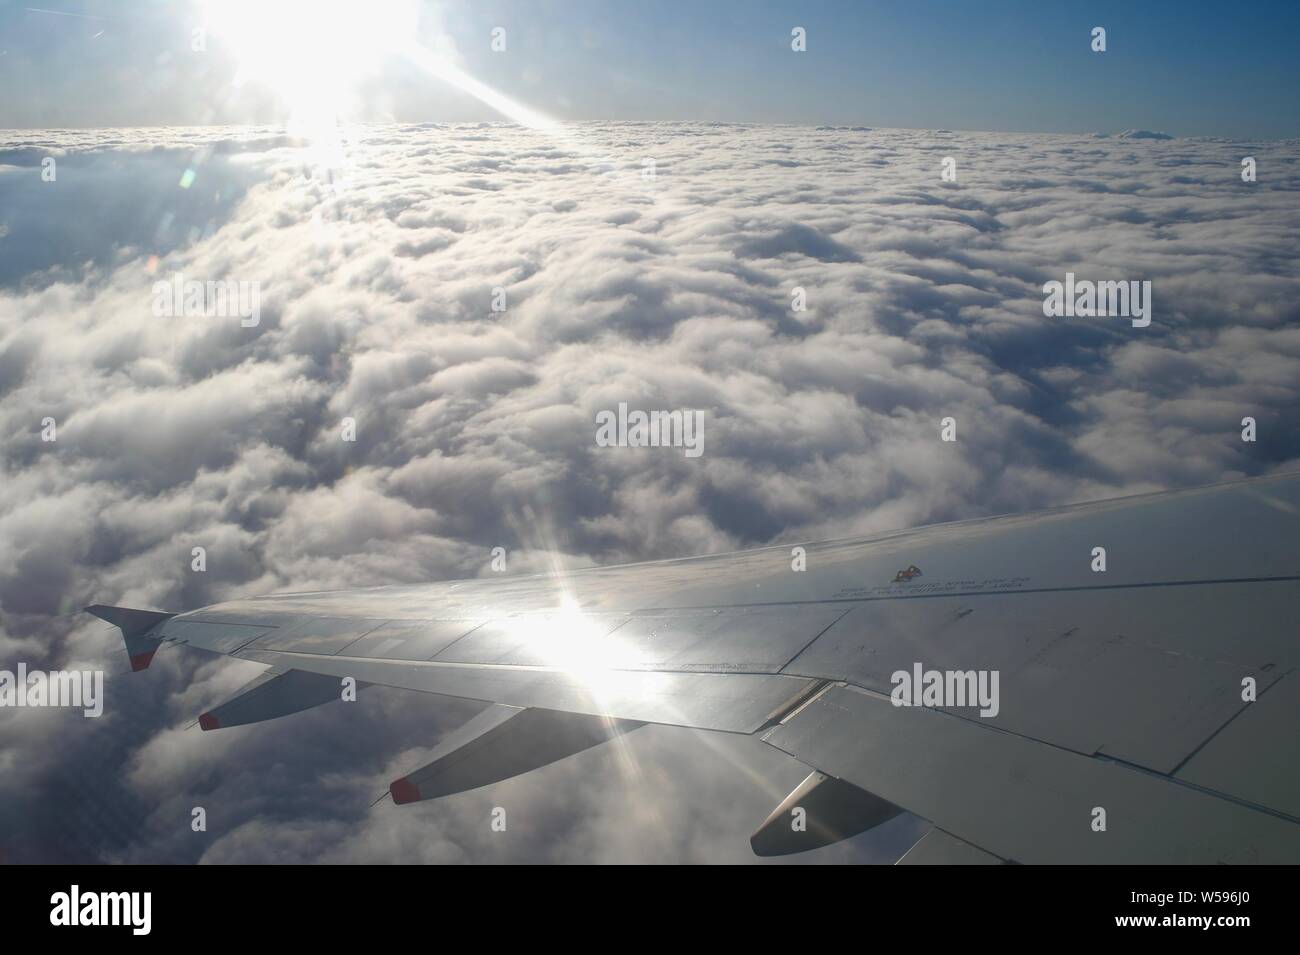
column 136, row 625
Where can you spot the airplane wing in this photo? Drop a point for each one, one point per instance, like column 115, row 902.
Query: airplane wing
column 1106, row 682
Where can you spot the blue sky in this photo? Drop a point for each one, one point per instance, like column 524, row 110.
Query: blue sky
column 1185, row 68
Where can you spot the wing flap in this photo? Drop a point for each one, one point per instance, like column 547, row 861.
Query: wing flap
column 937, row 847
column 1021, row 799
column 1168, row 662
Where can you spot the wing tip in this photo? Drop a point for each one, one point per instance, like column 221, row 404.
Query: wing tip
column 136, row 625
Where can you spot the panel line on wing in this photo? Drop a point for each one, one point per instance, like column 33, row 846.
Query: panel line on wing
column 461, row 637
column 1187, row 784
column 985, row 593
column 1228, row 722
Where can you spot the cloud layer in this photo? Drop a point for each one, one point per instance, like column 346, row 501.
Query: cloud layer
column 653, row 264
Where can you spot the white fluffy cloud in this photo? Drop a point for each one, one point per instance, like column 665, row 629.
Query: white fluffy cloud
column 377, row 264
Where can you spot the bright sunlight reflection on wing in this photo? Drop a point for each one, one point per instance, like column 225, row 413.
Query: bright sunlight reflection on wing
column 579, row 644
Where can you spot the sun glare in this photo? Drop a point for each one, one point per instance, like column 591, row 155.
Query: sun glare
column 311, row 53
column 579, row 645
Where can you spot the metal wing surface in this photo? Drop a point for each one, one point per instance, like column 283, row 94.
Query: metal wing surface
column 1115, row 682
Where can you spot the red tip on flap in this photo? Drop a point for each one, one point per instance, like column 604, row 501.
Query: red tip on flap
column 209, row 722
column 141, row 661
column 404, row 791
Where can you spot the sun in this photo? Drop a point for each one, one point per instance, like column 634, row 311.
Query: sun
column 311, row 53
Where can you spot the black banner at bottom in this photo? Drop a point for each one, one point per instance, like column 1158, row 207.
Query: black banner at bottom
column 229, row 904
